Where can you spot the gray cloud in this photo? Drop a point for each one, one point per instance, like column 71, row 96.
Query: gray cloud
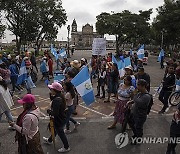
column 150, row 2
column 114, row 4
column 81, row 17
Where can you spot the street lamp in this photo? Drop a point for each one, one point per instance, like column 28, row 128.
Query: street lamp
column 162, row 38
column 68, row 28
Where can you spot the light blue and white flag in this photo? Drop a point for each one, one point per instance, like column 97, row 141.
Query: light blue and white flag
column 83, row 85
column 63, row 53
column 122, row 64
column 131, row 52
column 22, row 73
column 53, row 51
column 177, row 85
column 114, row 60
column 161, row 54
column 127, row 61
column 140, row 52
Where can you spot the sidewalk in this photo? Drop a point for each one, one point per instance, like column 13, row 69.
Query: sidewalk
column 92, row 137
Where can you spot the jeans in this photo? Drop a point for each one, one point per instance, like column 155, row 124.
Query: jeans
column 69, row 118
column 60, row 132
column 8, row 115
column 163, row 97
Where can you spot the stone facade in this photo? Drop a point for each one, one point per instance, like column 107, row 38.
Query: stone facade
column 83, row 39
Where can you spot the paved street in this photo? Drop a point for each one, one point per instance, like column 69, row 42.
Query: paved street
column 92, row 136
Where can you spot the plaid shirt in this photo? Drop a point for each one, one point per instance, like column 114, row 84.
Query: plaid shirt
column 5, row 74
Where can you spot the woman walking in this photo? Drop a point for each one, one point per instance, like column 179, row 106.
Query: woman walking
column 101, row 81
column 50, row 64
column 113, row 81
column 27, row 130
column 57, row 111
column 125, row 93
column 69, row 96
column 5, row 100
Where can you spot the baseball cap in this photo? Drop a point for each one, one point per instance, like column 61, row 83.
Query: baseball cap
column 27, row 99
column 56, row 86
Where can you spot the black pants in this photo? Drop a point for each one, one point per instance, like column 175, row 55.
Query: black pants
column 162, row 64
column 60, row 132
column 171, row 146
column 100, row 86
column 163, row 97
column 13, row 82
column 136, row 123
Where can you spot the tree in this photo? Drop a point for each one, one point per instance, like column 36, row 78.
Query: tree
column 167, row 23
column 33, row 20
column 51, row 16
column 126, row 26
column 21, row 19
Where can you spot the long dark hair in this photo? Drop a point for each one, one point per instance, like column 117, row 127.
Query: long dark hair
column 4, row 84
column 70, row 89
column 60, row 94
column 129, row 79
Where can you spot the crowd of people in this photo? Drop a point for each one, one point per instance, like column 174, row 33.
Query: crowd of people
column 131, row 91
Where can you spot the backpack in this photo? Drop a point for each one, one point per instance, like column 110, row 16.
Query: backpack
column 150, row 104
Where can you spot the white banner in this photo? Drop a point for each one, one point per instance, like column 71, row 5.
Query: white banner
column 99, row 46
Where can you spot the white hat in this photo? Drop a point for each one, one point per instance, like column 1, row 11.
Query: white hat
column 129, row 67
column 83, row 59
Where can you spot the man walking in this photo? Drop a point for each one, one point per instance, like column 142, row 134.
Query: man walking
column 140, row 109
column 168, row 85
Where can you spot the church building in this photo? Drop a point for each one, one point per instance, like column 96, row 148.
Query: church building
column 84, row 38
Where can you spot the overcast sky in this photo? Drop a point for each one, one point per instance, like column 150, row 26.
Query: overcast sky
column 85, row 11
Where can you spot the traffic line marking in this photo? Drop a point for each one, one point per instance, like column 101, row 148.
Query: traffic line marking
column 93, row 110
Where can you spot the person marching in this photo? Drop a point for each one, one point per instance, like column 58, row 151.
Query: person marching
column 101, row 81
column 174, row 131
column 69, row 96
column 27, row 130
column 6, row 100
column 125, row 93
column 57, row 111
column 140, row 109
column 168, row 85
column 113, row 82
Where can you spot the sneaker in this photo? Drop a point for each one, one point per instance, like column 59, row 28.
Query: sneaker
column 63, row 150
column 76, row 125
column 97, row 96
column 11, row 128
column 67, row 131
column 46, row 140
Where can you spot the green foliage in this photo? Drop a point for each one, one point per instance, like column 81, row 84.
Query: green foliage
column 33, row 20
column 126, row 26
column 168, row 23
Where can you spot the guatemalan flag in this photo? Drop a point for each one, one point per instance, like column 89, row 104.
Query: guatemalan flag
column 22, row 73
column 140, row 52
column 83, row 85
column 62, row 53
column 161, row 54
column 131, row 52
column 122, row 64
column 53, row 51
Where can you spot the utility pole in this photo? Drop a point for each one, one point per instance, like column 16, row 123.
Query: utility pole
column 68, row 28
column 162, row 38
